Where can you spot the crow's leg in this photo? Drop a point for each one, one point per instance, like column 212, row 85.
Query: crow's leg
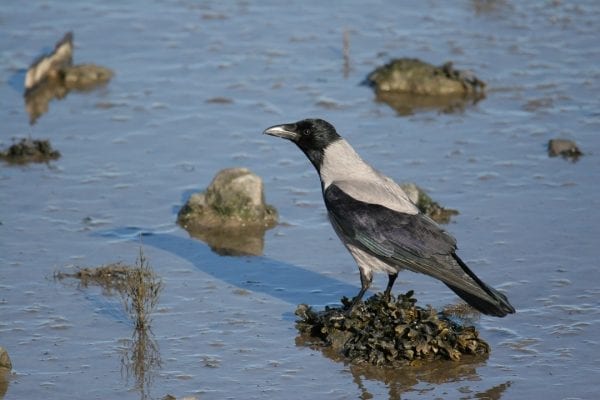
column 366, row 277
column 388, row 289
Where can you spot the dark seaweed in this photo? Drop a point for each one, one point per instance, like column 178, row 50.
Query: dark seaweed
column 388, row 333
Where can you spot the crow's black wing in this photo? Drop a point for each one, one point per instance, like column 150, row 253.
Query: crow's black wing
column 385, row 231
column 411, row 241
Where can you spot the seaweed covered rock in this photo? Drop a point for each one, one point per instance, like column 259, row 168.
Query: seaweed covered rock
column 565, row 148
column 57, row 67
column 29, row 150
column 5, row 362
column 48, row 66
column 411, row 75
column 235, row 197
column 408, row 84
column 53, row 75
column 86, row 76
column 426, row 205
column 5, row 370
column 388, row 333
column 231, row 215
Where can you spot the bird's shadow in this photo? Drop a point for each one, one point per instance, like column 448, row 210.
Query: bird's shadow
column 290, row 283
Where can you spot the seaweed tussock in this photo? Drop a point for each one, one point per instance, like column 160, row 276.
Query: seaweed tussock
column 29, row 150
column 390, row 332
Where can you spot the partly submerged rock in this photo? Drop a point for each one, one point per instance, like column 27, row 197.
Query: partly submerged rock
column 5, row 370
column 54, row 75
column 410, row 75
column 80, row 78
column 5, row 362
column 565, row 148
column 426, row 205
column 235, row 198
column 408, row 84
column 231, row 215
column 86, row 76
column 388, row 333
column 29, row 150
column 49, row 66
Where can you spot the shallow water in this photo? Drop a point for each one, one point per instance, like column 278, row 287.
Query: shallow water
column 195, row 85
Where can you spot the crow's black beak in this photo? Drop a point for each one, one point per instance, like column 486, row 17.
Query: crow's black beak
column 286, row 131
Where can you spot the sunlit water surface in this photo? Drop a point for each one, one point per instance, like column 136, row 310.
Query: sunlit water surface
column 195, row 85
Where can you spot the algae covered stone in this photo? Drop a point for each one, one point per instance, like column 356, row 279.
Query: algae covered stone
column 5, row 370
column 235, row 197
column 388, row 332
column 427, row 205
column 565, row 148
column 411, row 75
column 53, row 76
column 5, row 362
column 29, row 150
column 408, row 85
column 231, row 215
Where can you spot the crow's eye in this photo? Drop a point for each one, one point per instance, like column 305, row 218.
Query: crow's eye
column 306, row 132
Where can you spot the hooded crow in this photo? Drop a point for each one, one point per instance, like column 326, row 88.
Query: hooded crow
column 383, row 230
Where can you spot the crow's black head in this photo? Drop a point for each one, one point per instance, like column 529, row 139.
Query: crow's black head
column 311, row 135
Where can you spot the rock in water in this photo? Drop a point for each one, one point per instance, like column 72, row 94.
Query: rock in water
column 408, row 85
column 237, row 193
column 29, row 150
column 565, row 148
column 414, row 76
column 5, row 369
column 426, row 205
column 235, row 197
column 388, row 333
column 231, row 215
column 5, row 359
column 49, row 66
column 53, row 75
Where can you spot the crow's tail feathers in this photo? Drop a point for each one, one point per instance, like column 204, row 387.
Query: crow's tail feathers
column 489, row 301
column 497, row 306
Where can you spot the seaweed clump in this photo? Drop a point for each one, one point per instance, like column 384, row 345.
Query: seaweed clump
column 110, row 276
column 390, row 332
column 139, row 287
column 29, row 150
